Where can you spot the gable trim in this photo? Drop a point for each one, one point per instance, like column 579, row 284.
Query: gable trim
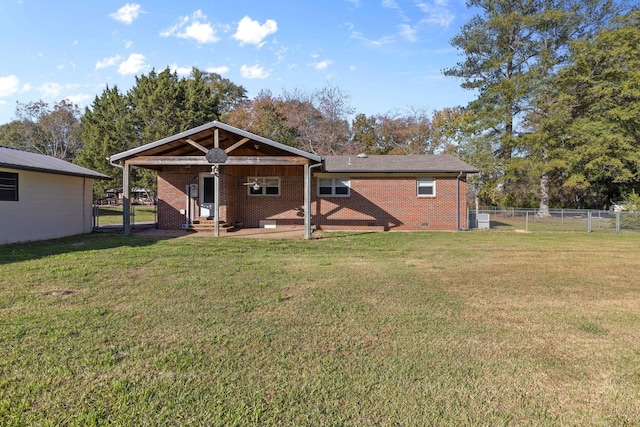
column 211, row 125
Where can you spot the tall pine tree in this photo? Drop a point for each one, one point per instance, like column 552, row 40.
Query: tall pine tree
column 510, row 50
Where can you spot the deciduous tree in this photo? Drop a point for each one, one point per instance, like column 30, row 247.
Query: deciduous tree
column 54, row 131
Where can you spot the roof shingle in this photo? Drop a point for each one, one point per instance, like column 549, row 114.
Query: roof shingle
column 397, row 164
column 15, row 158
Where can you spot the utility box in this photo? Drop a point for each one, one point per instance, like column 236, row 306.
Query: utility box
column 483, row 221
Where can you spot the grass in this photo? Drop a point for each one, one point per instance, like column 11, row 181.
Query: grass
column 110, row 215
column 478, row 328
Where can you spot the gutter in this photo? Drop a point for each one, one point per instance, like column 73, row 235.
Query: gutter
column 115, row 164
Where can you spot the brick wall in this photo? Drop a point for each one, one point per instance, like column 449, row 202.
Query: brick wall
column 172, row 197
column 286, row 209
column 382, row 203
column 391, row 203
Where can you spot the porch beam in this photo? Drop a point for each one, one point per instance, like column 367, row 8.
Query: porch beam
column 202, row 161
column 196, row 145
column 236, row 145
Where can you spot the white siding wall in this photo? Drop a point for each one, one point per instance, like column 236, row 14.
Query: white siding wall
column 49, row 206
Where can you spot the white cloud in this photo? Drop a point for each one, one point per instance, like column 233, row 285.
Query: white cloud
column 50, row 90
column 9, row 85
column 133, row 64
column 408, row 32
column 79, row 98
column 219, row 70
column 128, row 44
column 390, row 4
column 251, row 32
column 108, row 62
column 181, row 71
column 127, row 13
column 193, row 27
column 253, row 72
column 437, row 12
column 322, row 65
column 352, row 68
column 383, row 41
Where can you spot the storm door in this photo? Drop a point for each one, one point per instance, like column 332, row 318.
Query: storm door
column 206, row 196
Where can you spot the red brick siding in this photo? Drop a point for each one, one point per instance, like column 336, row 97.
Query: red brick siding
column 172, row 198
column 285, row 209
column 388, row 203
column 391, row 203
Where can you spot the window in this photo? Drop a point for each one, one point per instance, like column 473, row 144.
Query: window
column 269, row 186
column 426, row 187
column 333, row 187
column 8, row 186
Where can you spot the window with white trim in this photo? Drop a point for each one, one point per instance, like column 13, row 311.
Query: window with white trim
column 426, row 187
column 8, row 186
column 333, row 187
column 263, row 186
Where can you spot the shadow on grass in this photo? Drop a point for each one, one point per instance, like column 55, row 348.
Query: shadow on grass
column 497, row 224
column 17, row 252
column 341, row 234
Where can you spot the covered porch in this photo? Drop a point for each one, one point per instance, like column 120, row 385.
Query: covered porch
column 219, row 177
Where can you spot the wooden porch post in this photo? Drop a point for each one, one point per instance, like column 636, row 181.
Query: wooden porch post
column 126, row 199
column 307, row 201
column 216, row 188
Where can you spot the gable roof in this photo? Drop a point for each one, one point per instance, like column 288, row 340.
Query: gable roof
column 397, row 164
column 14, row 158
column 176, row 145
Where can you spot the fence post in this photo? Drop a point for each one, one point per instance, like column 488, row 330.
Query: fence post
column 526, row 222
column 617, row 222
column 589, row 222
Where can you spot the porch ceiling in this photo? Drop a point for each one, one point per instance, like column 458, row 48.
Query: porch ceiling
column 236, row 141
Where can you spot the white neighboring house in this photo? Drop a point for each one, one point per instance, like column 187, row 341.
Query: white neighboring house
column 42, row 197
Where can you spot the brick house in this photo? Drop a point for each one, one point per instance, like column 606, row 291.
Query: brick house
column 222, row 177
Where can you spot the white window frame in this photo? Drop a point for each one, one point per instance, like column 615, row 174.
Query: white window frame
column 334, row 186
column 425, row 182
column 263, row 181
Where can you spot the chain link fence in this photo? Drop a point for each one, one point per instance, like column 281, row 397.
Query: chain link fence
column 565, row 220
column 109, row 217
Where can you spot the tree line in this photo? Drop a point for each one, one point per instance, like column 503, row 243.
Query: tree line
column 554, row 123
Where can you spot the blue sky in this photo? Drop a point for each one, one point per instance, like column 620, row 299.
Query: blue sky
column 387, row 55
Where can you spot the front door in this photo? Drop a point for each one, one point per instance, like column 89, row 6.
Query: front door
column 207, row 207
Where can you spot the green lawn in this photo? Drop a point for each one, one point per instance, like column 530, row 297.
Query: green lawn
column 477, row 328
column 111, row 215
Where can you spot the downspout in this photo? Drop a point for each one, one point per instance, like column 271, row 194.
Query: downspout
column 458, row 201
column 307, row 200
